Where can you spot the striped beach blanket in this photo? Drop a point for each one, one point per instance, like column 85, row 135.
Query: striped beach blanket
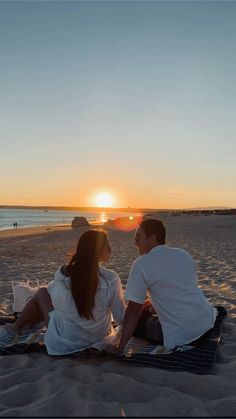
column 30, row 340
column 197, row 357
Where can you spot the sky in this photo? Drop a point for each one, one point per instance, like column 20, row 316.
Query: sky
column 135, row 99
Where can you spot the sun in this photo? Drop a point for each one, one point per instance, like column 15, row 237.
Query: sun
column 104, row 200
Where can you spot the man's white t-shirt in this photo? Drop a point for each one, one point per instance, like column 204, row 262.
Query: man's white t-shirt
column 68, row 332
column 168, row 276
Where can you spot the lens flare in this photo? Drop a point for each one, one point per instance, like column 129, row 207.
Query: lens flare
column 128, row 223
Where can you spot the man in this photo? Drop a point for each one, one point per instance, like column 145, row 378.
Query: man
column 168, row 276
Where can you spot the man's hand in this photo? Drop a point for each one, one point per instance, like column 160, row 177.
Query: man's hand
column 112, row 349
column 132, row 315
column 133, row 312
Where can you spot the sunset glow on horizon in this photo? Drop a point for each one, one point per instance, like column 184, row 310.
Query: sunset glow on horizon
column 104, row 200
column 118, row 104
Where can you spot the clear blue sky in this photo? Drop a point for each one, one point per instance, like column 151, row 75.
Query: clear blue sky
column 132, row 98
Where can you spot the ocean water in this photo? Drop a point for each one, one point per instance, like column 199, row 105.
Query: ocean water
column 33, row 218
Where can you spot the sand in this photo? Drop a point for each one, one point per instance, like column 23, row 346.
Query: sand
column 39, row 385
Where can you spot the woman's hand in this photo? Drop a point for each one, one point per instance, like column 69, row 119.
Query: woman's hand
column 147, row 303
column 148, row 306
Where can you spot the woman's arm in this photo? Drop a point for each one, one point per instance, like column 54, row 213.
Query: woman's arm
column 118, row 305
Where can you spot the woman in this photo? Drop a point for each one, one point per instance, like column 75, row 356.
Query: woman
column 79, row 303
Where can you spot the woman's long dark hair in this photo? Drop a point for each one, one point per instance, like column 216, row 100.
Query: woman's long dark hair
column 83, row 269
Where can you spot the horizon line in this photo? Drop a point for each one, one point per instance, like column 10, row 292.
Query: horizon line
column 107, row 209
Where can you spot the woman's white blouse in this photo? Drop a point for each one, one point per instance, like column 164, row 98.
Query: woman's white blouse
column 68, row 332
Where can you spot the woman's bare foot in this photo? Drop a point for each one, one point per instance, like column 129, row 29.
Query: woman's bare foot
column 8, row 336
column 10, row 328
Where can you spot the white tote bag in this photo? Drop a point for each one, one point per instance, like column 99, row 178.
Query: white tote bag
column 22, row 293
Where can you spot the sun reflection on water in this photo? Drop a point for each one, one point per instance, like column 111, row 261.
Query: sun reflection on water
column 103, row 217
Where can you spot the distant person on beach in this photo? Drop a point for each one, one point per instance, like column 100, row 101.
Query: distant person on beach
column 181, row 313
column 79, row 303
column 15, row 225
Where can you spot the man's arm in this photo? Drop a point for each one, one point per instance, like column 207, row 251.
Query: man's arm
column 132, row 315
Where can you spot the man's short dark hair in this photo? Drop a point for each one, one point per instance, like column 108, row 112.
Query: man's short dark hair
column 156, row 227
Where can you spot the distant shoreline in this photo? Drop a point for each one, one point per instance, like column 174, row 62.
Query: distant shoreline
column 109, row 209
column 84, row 209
